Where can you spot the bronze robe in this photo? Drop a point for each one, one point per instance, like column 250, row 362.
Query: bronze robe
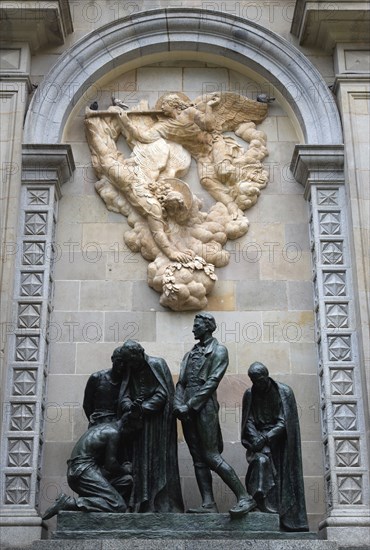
column 286, row 458
column 154, row 444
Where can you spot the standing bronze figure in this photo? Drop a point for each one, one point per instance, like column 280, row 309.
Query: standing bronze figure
column 147, row 399
column 196, row 406
column 271, row 435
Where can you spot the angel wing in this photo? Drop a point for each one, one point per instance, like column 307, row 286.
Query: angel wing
column 231, row 109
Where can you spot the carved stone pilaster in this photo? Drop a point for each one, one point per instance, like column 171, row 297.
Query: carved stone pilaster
column 320, row 170
column 44, row 170
column 15, row 85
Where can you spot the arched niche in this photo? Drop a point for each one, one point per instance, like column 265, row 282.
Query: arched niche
column 145, row 37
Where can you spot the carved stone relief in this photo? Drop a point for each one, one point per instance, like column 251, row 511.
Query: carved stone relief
column 183, row 243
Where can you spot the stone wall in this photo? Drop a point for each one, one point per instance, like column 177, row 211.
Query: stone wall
column 263, row 298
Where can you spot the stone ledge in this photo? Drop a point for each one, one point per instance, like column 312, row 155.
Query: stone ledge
column 256, row 525
column 324, row 24
column 175, row 544
column 134, row 544
column 51, row 18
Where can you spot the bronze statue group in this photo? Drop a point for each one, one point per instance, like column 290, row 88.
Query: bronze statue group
column 127, row 459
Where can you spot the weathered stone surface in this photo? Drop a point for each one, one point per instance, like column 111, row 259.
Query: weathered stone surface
column 172, row 544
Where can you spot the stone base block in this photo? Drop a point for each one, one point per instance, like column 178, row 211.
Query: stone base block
column 348, row 536
column 256, row 525
column 175, row 544
column 350, row 530
column 17, row 531
column 18, row 536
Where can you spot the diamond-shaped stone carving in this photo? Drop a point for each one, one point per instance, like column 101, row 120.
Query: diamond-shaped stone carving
column 22, row 417
column 344, row 416
column 332, row 252
column 27, row 348
column 350, row 489
column 20, row 453
column 342, row 382
column 33, row 253
column 337, row 315
column 329, row 223
column 17, row 489
column 327, row 197
column 35, row 223
column 31, row 284
column 334, row 283
column 29, row 315
column 24, row 382
column 37, row 196
column 339, row 348
column 347, row 452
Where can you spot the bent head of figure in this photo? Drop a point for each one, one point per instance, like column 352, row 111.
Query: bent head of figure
column 259, row 375
column 117, row 364
column 175, row 206
column 177, row 199
column 132, row 354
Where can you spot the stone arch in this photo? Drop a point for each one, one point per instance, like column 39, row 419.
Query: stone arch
column 177, row 31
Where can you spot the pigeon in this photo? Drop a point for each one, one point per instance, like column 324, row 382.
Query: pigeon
column 94, row 106
column 264, row 98
column 119, row 103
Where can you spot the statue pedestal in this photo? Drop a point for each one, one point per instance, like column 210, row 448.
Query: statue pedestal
column 256, row 525
column 177, row 544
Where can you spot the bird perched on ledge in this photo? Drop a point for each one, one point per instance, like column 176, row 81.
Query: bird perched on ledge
column 264, row 98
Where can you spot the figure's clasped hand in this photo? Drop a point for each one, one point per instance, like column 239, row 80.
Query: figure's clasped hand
column 258, row 443
column 136, row 409
column 126, row 468
column 182, row 412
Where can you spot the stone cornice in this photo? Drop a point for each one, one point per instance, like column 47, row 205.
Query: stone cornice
column 355, row 79
column 47, row 163
column 40, row 23
column 312, row 164
column 324, row 24
column 14, row 77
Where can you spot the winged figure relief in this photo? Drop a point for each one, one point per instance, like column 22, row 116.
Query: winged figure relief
column 183, row 243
